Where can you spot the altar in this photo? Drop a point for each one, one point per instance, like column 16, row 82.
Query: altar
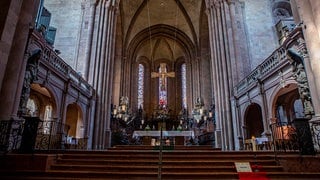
column 178, row 137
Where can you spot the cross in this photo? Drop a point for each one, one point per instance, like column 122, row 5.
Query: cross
column 163, row 75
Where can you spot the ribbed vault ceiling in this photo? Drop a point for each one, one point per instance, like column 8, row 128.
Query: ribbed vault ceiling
column 139, row 15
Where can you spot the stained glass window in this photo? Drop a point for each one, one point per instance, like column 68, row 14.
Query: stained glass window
column 184, row 85
column 163, row 87
column 140, row 85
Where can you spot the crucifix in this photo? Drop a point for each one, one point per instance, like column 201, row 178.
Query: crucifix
column 162, row 74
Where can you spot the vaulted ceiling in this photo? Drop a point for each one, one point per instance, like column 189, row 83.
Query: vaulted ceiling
column 180, row 21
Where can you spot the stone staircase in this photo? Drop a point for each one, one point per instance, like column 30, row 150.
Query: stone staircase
column 143, row 162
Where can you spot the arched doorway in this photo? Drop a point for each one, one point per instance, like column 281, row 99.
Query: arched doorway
column 74, row 121
column 253, row 121
column 286, row 107
column 42, row 104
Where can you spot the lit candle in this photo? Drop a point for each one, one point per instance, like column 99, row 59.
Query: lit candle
column 124, row 107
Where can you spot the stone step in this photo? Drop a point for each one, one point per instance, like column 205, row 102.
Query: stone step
column 143, row 163
column 165, row 168
column 176, row 147
column 175, row 155
column 74, row 175
column 209, row 162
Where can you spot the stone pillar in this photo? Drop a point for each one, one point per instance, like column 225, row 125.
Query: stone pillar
column 92, row 11
column 220, row 59
column 21, row 15
column 264, row 109
column 214, row 53
column 309, row 14
column 196, row 77
column 91, row 115
column 100, row 76
column 222, row 51
column 9, row 15
column 240, row 63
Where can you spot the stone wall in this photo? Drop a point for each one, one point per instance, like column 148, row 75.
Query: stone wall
column 316, row 13
column 261, row 34
column 299, row 164
column 66, row 17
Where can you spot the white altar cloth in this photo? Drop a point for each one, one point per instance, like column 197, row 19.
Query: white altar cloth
column 164, row 133
column 262, row 140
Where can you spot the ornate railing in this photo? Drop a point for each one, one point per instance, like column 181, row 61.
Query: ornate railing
column 284, row 137
column 293, row 137
column 267, row 66
column 51, row 135
column 10, row 135
column 15, row 135
column 315, row 130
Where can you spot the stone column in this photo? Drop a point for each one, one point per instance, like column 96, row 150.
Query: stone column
column 21, row 15
column 196, row 78
column 214, row 63
column 92, row 11
column 222, row 51
column 240, row 64
column 102, row 58
column 264, row 109
column 10, row 14
column 309, row 15
column 110, row 69
column 219, row 60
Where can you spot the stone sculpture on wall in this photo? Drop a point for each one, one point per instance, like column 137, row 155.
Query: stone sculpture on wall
column 301, row 77
column 30, row 76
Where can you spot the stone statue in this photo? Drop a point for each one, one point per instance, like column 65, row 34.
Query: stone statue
column 29, row 77
column 301, row 77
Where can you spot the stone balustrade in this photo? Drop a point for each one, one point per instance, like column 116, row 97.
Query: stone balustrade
column 51, row 59
column 278, row 57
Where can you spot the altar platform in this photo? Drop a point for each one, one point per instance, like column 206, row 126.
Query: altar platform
column 177, row 137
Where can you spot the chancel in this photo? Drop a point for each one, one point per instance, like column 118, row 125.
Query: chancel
column 152, row 89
